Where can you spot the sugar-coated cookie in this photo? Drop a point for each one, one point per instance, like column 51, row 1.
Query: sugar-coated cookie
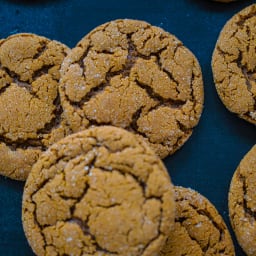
column 30, row 113
column 98, row 192
column 242, row 202
column 129, row 74
column 234, row 64
column 199, row 229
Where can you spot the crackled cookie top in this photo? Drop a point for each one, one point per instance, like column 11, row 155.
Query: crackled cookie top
column 199, row 230
column 242, row 202
column 234, row 64
column 98, row 192
column 129, row 74
column 30, row 113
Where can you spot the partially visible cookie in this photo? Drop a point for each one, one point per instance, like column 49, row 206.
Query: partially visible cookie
column 98, row 192
column 242, row 202
column 199, row 230
column 31, row 116
column 132, row 75
column 234, row 64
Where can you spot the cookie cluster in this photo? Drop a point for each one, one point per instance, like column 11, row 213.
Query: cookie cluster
column 125, row 73
column 87, row 128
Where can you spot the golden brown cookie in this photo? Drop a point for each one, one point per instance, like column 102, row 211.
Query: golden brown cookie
column 242, row 202
column 199, row 230
column 98, row 192
column 129, row 74
column 31, row 117
column 234, row 64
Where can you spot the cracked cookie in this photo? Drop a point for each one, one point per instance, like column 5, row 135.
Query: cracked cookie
column 234, row 64
column 199, row 229
column 242, row 202
column 31, row 116
column 101, row 191
column 132, row 75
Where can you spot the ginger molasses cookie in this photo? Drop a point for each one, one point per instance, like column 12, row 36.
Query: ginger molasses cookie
column 242, row 202
column 129, row 74
column 102, row 191
column 30, row 113
column 234, row 64
column 199, row 230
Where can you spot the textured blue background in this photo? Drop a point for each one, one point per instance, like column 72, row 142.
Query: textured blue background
column 207, row 161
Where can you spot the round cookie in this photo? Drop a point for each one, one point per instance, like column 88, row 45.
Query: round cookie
column 242, row 202
column 102, row 191
column 31, row 117
column 234, row 64
column 129, row 74
column 199, row 229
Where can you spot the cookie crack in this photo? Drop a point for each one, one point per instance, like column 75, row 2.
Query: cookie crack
column 22, row 144
column 82, row 224
column 186, row 134
column 247, row 74
column 38, row 142
column 158, row 61
column 218, row 226
column 141, row 184
column 169, row 103
column 4, row 88
column 56, row 120
column 43, row 71
column 159, row 233
column 42, row 184
column 134, row 125
column 26, row 84
column 94, row 91
column 86, row 231
column 38, row 224
column 183, row 128
column 41, row 50
column 248, row 212
column 16, row 79
column 150, row 242
column 244, row 18
column 81, row 59
column 131, row 58
column 158, row 98
column 181, row 221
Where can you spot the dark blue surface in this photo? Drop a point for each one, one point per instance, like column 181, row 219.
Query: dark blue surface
column 207, row 161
